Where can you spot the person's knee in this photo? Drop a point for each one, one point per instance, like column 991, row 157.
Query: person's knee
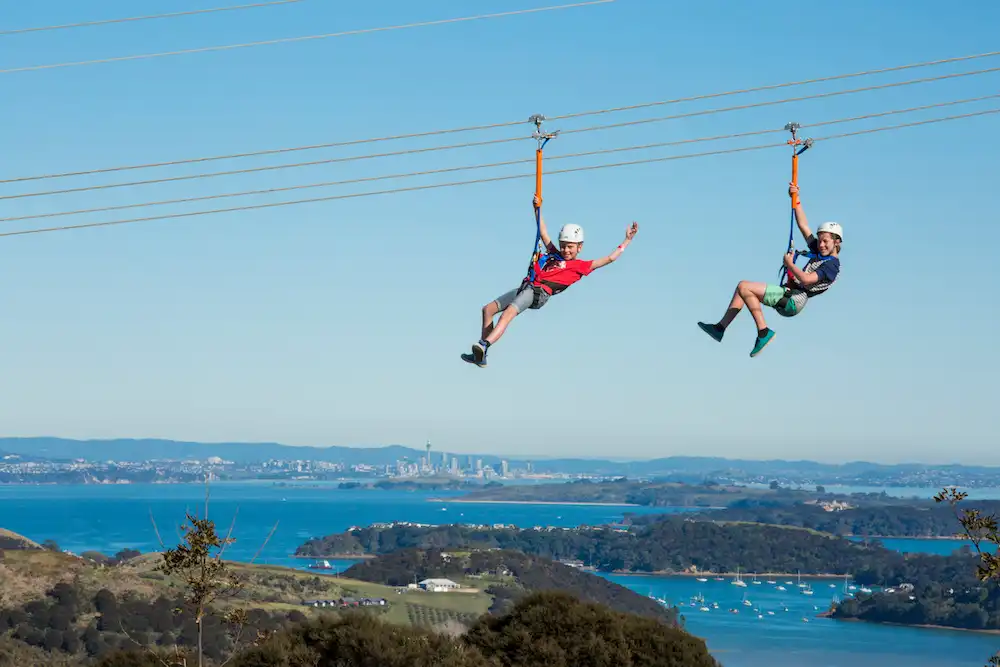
column 743, row 288
column 509, row 313
column 491, row 309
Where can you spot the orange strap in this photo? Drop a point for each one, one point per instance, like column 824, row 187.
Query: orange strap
column 538, row 175
column 795, row 177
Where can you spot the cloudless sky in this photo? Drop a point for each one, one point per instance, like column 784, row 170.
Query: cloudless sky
column 342, row 322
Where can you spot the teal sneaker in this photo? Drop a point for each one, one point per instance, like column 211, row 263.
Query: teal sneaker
column 762, row 343
column 710, row 329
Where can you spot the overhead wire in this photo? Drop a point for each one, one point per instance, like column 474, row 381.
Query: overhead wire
column 303, row 38
column 412, row 151
column 415, row 135
column 130, row 19
column 367, row 179
column 251, row 207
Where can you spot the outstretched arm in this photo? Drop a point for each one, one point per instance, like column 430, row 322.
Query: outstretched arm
column 800, row 214
column 630, row 233
column 541, row 225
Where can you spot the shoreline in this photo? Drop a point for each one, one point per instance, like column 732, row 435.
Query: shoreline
column 953, row 538
column 731, row 575
column 531, row 502
column 337, row 557
column 925, row 626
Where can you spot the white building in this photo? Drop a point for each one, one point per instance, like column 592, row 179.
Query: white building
column 439, row 585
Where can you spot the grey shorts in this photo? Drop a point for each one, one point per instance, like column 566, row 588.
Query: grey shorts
column 522, row 298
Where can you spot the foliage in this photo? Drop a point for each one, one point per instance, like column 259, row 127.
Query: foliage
column 957, row 592
column 980, row 529
column 357, row 640
column 557, row 630
column 69, row 622
column 550, row 629
column 510, row 575
column 671, row 544
column 885, row 521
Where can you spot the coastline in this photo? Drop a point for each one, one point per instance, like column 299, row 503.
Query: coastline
column 926, row 626
column 732, row 575
column 530, row 502
column 338, row 557
column 954, row 538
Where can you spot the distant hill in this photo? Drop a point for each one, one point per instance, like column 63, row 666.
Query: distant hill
column 677, row 468
column 11, row 540
column 239, row 452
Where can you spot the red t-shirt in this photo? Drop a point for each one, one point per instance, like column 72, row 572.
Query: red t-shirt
column 557, row 275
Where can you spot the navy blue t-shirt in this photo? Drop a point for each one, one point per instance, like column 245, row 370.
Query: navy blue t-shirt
column 826, row 270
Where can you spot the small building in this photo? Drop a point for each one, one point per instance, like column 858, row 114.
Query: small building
column 439, row 585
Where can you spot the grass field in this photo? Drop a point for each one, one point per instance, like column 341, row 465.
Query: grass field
column 27, row 574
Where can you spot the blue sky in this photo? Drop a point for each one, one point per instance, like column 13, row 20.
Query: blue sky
column 342, row 322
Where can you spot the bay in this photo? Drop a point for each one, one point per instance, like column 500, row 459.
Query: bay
column 108, row 518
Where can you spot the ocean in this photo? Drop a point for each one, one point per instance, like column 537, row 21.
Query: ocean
column 108, row 518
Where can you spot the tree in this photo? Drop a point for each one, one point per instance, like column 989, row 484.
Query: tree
column 206, row 580
column 984, row 533
column 51, row 545
column 774, row 485
column 556, row 629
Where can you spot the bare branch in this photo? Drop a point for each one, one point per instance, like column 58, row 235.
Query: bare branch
column 141, row 645
column 229, row 540
column 264, row 543
column 156, row 530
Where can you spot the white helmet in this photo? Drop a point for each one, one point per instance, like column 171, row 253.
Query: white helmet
column 833, row 228
column 571, row 233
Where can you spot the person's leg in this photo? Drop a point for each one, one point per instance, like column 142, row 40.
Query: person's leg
column 510, row 305
column 718, row 329
column 752, row 295
column 490, row 311
column 506, row 318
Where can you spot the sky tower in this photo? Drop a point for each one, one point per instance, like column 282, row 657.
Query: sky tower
column 430, row 466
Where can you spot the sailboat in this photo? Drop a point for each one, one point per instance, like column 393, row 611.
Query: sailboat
column 739, row 581
column 755, row 582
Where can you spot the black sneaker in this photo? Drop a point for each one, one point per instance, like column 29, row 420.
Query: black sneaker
column 712, row 331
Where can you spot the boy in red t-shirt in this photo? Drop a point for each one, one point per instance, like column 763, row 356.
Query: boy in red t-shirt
column 552, row 278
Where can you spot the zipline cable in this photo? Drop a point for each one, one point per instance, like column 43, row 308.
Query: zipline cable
column 415, row 135
column 88, row 24
column 482, row 180
column 430, row 149
column 188, row 200
column 286, row 40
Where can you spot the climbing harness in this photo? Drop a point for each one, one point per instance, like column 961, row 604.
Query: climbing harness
column 541, row 253
column 784, row 278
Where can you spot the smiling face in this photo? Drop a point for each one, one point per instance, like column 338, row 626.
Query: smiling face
column 829, row 244
column 569, row 250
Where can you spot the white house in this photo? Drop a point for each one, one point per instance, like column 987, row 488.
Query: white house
column 439, row 585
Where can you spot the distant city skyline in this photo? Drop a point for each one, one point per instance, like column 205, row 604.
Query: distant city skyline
column 472, row 458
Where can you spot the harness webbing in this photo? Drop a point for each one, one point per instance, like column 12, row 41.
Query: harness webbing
column 541, row 253
column 784, row 278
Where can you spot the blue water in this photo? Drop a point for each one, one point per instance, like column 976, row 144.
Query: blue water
column 942, row 547
column 107, row 518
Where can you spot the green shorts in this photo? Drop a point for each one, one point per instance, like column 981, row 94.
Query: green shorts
column 774, row 294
